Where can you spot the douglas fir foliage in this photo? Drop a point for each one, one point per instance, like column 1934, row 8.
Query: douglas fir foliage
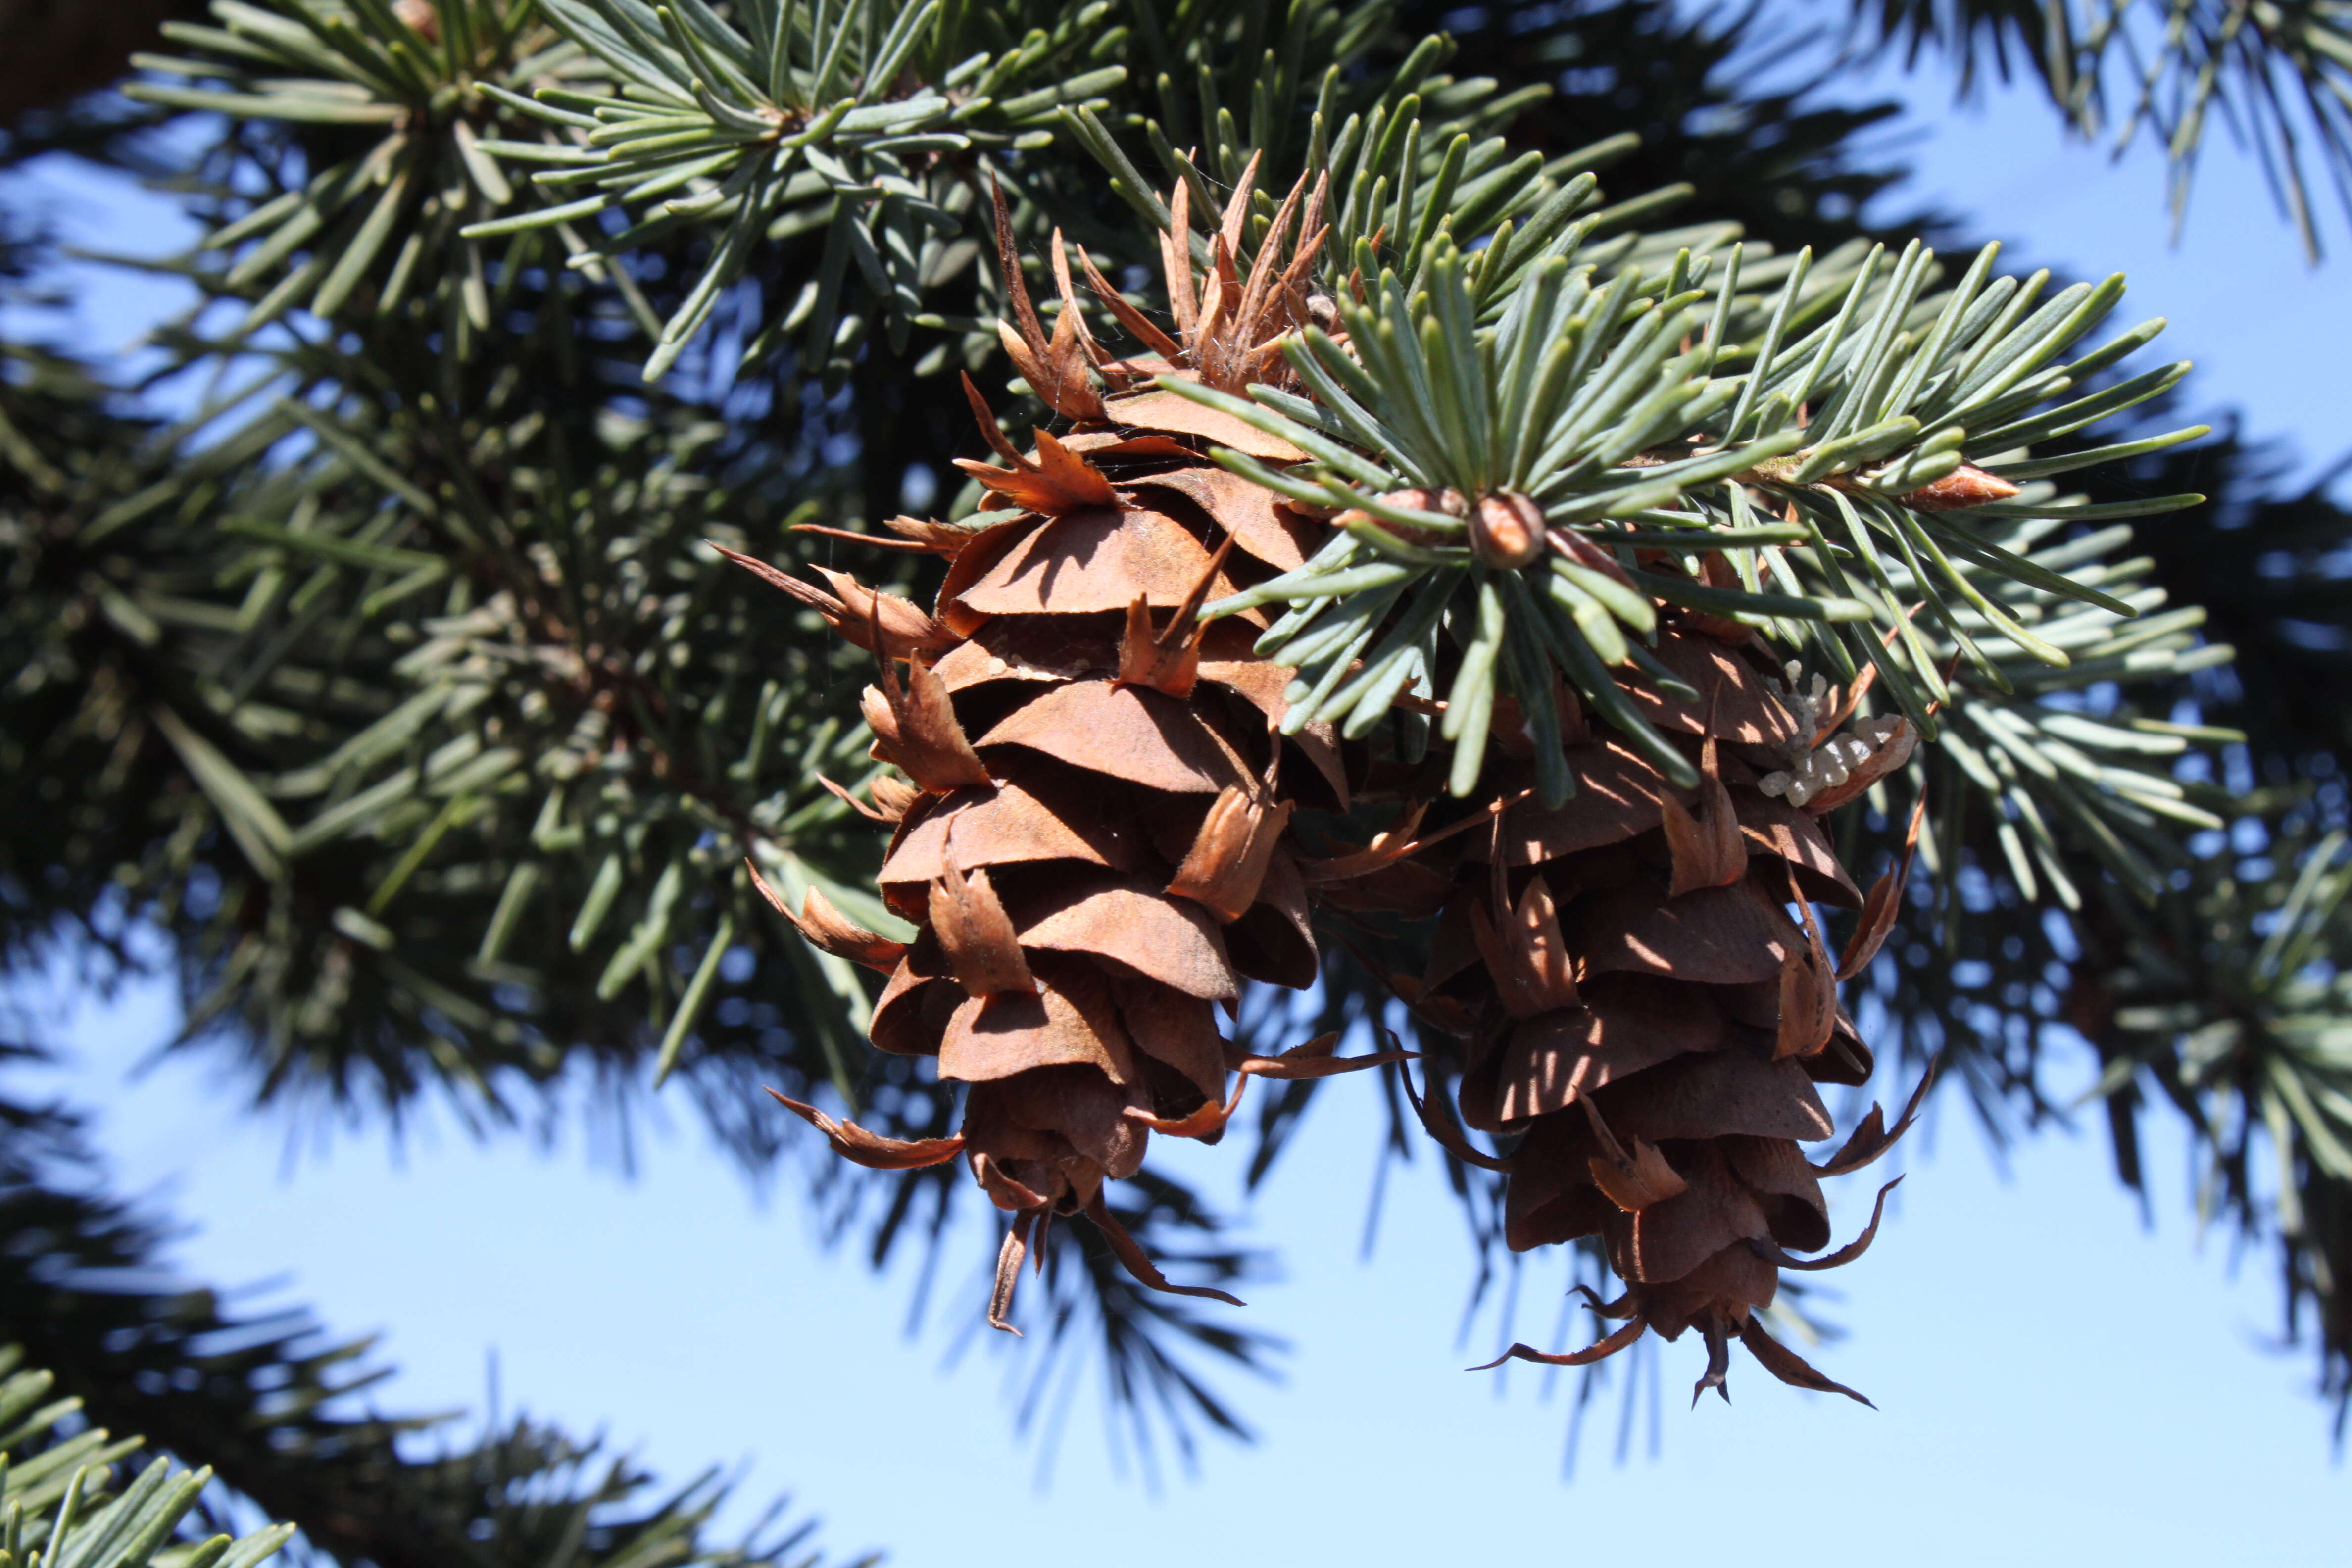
column 57, row 1501
column 1405, row 609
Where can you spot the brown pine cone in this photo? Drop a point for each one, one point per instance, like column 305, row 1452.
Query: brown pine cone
column 1645, row 1012
column 1096, row 849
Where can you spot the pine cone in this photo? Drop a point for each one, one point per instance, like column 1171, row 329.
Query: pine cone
column 1098, row 853
column 1645, row 1012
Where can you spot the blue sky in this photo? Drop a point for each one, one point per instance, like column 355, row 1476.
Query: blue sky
column 2269, row 333
column 2055, row 1383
